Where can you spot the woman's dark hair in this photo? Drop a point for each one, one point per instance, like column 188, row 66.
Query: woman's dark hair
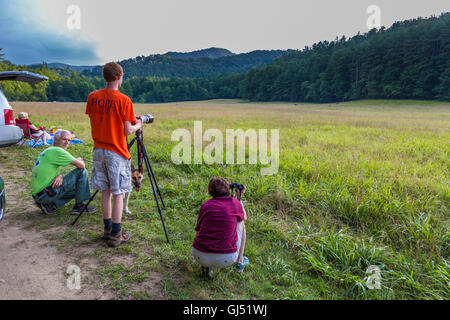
column 219, row 187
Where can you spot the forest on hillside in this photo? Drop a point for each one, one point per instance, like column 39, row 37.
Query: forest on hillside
column 409, row 60
column 173, row 65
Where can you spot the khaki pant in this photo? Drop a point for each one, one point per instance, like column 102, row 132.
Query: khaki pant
column 220, row 260
column 110, row 172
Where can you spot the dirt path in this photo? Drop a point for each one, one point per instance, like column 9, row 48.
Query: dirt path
column 32, row 269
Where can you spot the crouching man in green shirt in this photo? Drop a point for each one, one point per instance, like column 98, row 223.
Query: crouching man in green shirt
column 50, row 189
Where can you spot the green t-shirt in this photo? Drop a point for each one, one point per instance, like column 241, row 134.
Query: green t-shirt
column 47, row 167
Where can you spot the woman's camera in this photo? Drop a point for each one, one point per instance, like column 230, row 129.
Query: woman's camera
column 239, row 189
column 237, row 186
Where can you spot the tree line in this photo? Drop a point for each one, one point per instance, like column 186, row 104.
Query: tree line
column 73, row 87
column 410, row 60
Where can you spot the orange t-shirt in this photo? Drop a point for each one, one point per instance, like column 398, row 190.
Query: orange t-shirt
column 108, row 111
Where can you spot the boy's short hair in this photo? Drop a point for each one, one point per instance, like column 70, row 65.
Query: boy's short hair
column 112, row 71
column 219, row 187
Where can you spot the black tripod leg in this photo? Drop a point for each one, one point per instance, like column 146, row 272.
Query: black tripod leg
column 85, row 207
column 131, row 143
column 147, row 163
column 150, row 170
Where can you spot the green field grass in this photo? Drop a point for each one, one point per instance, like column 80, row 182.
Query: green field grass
column 359, row 184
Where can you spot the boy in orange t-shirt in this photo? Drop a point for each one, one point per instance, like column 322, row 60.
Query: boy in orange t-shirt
column 112, row 119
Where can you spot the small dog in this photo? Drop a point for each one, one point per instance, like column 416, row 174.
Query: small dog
column 136, row 180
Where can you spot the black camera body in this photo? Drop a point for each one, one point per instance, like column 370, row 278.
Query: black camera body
column 146, row 118
column 236, row 186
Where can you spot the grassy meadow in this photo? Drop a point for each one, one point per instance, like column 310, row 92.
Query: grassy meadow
column 359, row 184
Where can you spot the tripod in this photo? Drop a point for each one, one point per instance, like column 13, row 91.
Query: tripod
column 142, row 157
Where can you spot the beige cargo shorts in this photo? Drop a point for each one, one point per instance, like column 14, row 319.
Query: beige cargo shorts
column 110, row 172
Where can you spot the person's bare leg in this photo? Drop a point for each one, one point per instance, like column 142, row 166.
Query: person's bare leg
column 241, row 249
column 106, row 204
column 117, row 208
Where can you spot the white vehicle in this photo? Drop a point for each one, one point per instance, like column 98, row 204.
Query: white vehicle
column 9, row 133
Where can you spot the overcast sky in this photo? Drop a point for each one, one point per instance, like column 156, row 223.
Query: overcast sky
column 32, row 31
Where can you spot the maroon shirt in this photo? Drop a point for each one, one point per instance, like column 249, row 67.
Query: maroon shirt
column 216, row 225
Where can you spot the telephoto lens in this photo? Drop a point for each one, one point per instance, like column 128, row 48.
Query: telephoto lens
column 147, row 118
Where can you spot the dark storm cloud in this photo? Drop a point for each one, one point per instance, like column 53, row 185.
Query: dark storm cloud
column 26, row 40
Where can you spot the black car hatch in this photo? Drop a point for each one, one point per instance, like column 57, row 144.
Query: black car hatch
column 23, row 76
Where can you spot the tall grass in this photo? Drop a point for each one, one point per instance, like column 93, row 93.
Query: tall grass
column 360, row 184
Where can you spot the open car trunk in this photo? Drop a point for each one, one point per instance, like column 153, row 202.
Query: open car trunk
column 23, row 76
column 9, row 133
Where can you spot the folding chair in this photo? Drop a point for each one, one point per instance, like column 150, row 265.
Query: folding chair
column 24, row 124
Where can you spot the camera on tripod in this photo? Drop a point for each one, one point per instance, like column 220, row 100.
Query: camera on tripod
column 142, row 160
column 146, row 118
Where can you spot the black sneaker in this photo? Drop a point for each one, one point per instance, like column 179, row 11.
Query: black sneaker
column 78, row 208
column 47, row 208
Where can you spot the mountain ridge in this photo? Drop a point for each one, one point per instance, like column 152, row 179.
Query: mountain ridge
column 210, row 53
column 163, row 66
